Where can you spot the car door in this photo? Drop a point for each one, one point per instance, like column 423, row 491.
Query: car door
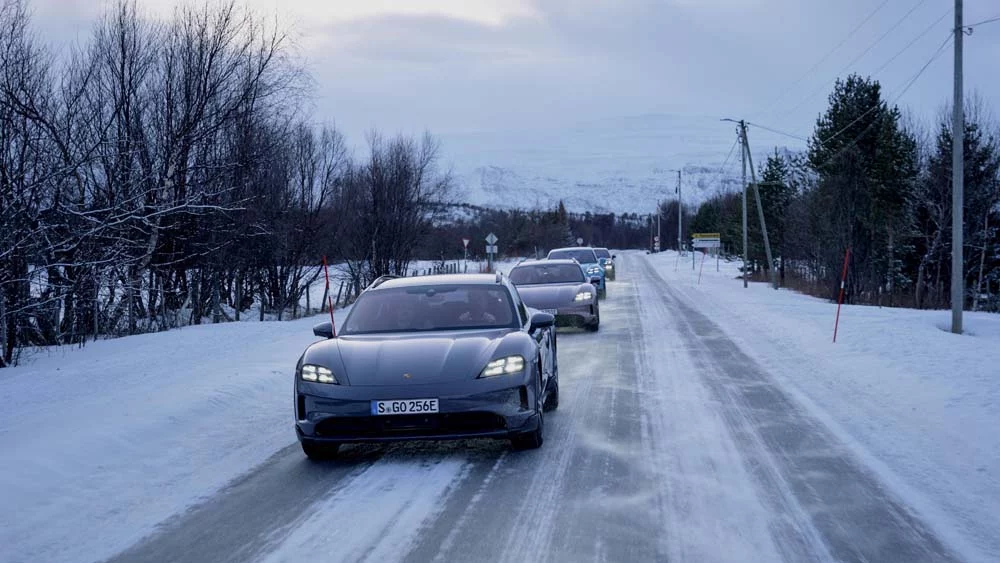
column 542, row 338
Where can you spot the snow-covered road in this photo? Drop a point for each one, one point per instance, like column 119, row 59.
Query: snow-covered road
column 673, row 442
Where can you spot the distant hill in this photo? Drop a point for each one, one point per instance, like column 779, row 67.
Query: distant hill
column 610, row 165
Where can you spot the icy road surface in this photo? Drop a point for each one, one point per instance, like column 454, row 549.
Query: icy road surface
column 670, row 444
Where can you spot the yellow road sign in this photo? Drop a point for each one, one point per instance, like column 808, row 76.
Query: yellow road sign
column 706, row 235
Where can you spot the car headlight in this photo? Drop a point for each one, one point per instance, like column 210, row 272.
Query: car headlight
column 594, row 270
column 317, row 374
column 609, row 266
column 583, row 296
column 510, row 364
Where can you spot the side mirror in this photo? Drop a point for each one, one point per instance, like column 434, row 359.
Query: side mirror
column 541, row 320
column 323, row 330
column 614, row 256
column 596, row 280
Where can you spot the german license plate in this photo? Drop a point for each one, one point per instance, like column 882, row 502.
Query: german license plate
column 405, row 406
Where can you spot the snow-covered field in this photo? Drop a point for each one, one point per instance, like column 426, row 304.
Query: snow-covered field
column 101, row 443
column 920, row 405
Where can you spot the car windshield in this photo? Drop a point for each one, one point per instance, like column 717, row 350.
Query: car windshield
column 602, row 252
column 546, row 273
column 431, row 307
column 581, row 255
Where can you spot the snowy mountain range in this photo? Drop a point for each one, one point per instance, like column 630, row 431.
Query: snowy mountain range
column 616, row 165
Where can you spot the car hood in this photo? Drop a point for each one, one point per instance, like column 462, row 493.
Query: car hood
column 426, row 358
column 550, row 296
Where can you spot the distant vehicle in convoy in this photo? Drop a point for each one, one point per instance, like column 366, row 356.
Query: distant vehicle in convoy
column 561, row 288
column 588, row 259
column 607, row 260
column 428, row 358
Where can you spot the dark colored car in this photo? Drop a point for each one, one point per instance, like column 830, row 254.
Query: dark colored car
column 561, row 288
column 607, row 260
column 433, row 357
column 588, row 259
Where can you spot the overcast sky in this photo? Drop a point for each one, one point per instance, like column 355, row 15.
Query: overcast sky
column 481, row 65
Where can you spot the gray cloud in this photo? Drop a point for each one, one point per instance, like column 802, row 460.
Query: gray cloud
column 574, row 61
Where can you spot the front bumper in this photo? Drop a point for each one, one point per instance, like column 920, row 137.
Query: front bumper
column 472, row 409
column 576, row 315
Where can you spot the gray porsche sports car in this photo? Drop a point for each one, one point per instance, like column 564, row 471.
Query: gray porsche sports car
column 433, row 357
column 559, row 287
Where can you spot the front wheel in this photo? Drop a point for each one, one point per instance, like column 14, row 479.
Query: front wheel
column 552, row 400
column 320, row 452
column 530, row 440
column 602, row 293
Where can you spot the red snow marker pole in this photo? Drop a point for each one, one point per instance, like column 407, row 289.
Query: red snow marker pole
column 329, row 299
column 840, row 299
column 702, row 268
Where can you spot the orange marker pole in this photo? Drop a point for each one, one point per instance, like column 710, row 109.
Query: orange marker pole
column 840, row 299
column 329, row 298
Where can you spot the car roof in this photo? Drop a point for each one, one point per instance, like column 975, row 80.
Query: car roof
column 572, row 248
column 557, row 261
column 439, row 279
column 601, row 248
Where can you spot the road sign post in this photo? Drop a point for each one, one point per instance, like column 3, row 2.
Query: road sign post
column 707, row 241
column 491, row 249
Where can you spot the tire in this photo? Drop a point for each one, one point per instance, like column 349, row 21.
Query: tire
column 555, row 354
column 531, row 440
column 552, row 400
column 602, row 293
column 320, row 452
column 594, row 326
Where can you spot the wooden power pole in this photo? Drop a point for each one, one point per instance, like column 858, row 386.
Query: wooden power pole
column 957, row 182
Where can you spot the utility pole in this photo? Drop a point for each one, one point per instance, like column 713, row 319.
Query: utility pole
column 659, row 212
column 760, row 207
column 743, row 155
column 957, row 182
column 680, row 212
column 649, row 219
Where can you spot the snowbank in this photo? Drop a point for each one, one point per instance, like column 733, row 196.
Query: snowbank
column 102, row 443
column 919, row 404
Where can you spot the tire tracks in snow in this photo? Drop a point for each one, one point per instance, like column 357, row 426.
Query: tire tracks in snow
column 816, row 488
column 709, row 504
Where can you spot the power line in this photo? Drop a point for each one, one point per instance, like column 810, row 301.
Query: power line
column 859, row 57
column 905, row 88
column 923, row 33
column 793, row 136
column 826, row 56
column 864, row 131
column 915, row 39
column 923, row 68
column 732, row 149
column 991, row 20
column 721, row 173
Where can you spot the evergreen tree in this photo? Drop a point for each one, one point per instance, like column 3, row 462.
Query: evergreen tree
column 867, row 166
column 776, row 194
